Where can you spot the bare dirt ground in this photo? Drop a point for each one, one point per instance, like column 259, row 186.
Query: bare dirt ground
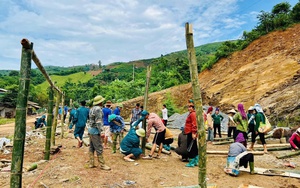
column 69, row 168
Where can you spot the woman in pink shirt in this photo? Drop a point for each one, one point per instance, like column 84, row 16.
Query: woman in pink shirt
column 159, row 137
column 295, row 140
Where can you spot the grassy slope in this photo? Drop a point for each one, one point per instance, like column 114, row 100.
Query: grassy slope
column 60, row 80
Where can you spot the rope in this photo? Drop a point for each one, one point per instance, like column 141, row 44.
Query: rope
column 40, row 175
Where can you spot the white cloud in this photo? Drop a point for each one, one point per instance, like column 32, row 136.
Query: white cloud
column 77, row 32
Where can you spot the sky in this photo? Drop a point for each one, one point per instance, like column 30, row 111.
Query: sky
column 78, row 32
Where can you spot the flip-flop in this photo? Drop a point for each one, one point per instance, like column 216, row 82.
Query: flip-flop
column 129, row 160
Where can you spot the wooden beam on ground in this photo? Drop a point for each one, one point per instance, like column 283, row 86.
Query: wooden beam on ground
column 290, row 154
column 272, row 145
column 222, row 139
column 149, row 146
column 223, row 142
column 226, row 152
column 274, row 148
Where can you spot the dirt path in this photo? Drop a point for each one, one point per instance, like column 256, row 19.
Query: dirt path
column 8, row 129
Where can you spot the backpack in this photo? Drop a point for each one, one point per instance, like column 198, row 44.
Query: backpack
column 264, row 127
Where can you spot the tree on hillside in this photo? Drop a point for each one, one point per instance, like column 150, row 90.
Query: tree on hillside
column 265, row 23
column 100, row 64
column 281, row 8
column 295, row 13
column 14, row 73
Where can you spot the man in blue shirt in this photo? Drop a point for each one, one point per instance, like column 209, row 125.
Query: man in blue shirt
column 118, row 109
column 106, row 127
column 81, row 117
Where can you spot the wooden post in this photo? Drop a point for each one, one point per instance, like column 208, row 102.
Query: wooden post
column 146, row 104
column 54, row 124
column 198, row 105
column 49, row 123
column 20, row 119
column 62, row 122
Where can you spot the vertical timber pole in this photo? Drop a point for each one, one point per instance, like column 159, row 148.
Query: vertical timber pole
column 54, row 124
column 146, row 104
column 49, row 124
column 20, row 121
column 63, row 115
column 198, row 105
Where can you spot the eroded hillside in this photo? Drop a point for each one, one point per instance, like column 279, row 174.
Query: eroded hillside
column 266, row 72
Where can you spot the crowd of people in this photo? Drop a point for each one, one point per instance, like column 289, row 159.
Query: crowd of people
column 106, row 124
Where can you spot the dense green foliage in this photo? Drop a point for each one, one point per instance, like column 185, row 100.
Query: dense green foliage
column 281, row 17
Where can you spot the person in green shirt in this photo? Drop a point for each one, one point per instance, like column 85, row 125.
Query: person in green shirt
column 242, row 123
column 217, row 122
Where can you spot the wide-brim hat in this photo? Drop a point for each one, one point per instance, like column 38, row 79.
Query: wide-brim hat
column 108, row 103
column 120, row 105
column 298, row 130
column 251, row 108
column 98, row 99
column 140, row 132
column 231, row 111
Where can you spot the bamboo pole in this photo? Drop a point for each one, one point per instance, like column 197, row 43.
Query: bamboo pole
column 149, row 146
column 62, row 122
column 54, row 124
column 146, row 104
column 198, row 105
column 274, row 148
column 286, row 155
column 222, row 139
column 49, row 123
column 226, row 152
column 20, row 119
column 223, row 142
column 272, row 145
column 26, row 44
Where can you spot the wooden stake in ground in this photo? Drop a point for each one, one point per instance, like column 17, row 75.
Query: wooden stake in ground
column 20, row 119
column 63, row 115
column 54, row 124
column 49, row 123
column 198, row 104
column 146, row 104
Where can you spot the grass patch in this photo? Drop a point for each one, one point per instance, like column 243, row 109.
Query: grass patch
column 6, row 120
column 61, row 80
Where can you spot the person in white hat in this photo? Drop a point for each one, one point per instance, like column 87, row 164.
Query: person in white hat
column 295, row 140
column 231, row 123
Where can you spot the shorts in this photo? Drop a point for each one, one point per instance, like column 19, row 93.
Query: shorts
column 159, row 137
column 106, row 130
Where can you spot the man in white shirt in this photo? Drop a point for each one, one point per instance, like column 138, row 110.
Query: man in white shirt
column 165, row 114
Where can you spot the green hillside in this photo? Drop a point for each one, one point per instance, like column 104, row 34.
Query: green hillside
column 61, row 80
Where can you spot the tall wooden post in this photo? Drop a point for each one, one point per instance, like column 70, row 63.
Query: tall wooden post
column 54, row 124
column 49, row 123
column 198, row 104
column 62, row 122
column 20, row 120
column 146, row 104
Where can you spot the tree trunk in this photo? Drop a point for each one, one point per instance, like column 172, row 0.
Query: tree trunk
column 286, row 155
column 146, row 104
column 198, row 105
column 49, row 124
column 20, row 119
